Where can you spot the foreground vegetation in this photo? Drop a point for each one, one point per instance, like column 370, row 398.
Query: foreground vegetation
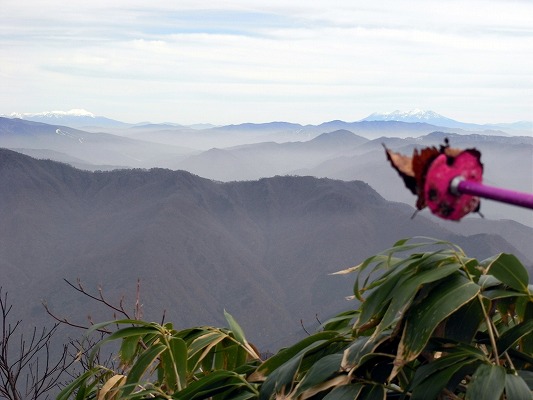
column 428, row 322
column 432, row 324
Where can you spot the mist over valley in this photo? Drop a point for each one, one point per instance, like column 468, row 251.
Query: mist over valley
column 250, row 218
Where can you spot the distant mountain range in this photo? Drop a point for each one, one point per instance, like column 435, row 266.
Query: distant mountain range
column 79, row 118
column 431, row 117
column 415, row 115
column 95, row 149
column 336, row 149
column 76, row 118
column 261, row 249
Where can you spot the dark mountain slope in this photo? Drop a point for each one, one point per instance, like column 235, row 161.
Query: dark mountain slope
column 260, row 249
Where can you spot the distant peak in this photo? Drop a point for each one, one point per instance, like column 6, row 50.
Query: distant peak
column 75, row 112
column 414, row 115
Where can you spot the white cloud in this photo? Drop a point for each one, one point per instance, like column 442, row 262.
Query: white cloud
column 135, row 60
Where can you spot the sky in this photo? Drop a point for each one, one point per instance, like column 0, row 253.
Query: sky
column 237, row 61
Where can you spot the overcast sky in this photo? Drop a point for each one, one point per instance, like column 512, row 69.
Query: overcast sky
column 257, row 61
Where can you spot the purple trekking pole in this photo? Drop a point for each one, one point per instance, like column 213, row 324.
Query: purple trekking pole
column 460, row 186
column 449, row 181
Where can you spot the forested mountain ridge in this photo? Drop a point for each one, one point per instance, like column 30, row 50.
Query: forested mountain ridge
column 261, row 249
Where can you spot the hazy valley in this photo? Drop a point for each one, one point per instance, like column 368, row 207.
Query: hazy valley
column 335, row 149
column 229, row 233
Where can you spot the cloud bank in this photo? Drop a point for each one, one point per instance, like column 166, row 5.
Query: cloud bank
column 247, row 61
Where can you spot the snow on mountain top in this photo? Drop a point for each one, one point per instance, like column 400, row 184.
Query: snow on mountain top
column 76, row 112
column 412, row 115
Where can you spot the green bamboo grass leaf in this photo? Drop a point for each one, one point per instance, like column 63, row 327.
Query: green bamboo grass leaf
column 424, row 317
column 235, row 328
column 174, row 362
column 400, row 242
column 345, row 392
column 405, row 291
column 509, row 270
column 400, row 284
column 375, row 304
column 419, row 242
column 109, row 391
column 223, row 384
column 133, row 331
column 82, row 393
column 432, row 378
column 282, row 379
column 341, row 321
column 437, row 259
column 392, row 266
column 311, row 393
column 208, row 339
column 286, row 354
column 320, row 372
column 145, row 393
column 230, row 357
column 451, row 346
column 222, row 354
column 512, row 335
column 495, row 294
column 373, row 392
column 362, row 266
column 189, row 334
column 226, row 355
column 516, row 388
column 527, row 315
column 239, row 335
column 464, row 323
column 381, row 261
column 201, row 347
column 488, row 382
column 520, row 359
column 488, row 281
column 471, row 265
column 426, row 371
column 167, row 373
column 144, row 361
column 128, row 349
column 240, row 396
column 105, row 324
column 80, row 382
column 527, row 376
column 386, row 261
column 524, row 308
column 362, row 346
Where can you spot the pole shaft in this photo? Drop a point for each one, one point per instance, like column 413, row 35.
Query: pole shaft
column 494, row 193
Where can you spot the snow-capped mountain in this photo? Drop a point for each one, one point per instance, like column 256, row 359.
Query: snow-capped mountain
column 76, row 118
column 76, row 112
column 433, row 118
column 416, row 115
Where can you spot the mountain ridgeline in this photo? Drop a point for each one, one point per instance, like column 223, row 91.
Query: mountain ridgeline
column 262, row 249
column 335, row 149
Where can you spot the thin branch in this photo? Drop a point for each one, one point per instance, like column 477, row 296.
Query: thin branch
column 27, row 372
column 67, row 322
column 303, row 327
column 100, row 298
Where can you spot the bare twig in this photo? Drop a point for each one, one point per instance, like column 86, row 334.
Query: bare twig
column 303, row 327
column 27, row 370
